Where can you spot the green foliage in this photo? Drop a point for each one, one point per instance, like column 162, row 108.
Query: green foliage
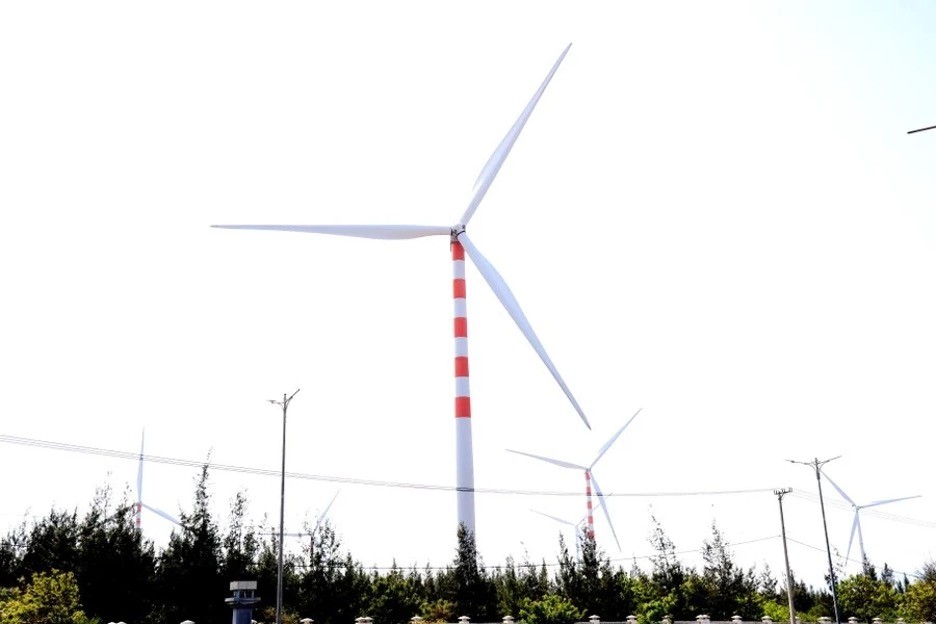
column 439, row 610
column 115, row 567
column 120, row 577
column 393, row 597
column 241, row 545
column 866, row 597
column 473, row 594
column 919, row 601
column 189, row 569
column 49, row 598
column 334, row 588
column 516, row 583
column 550, row 609
column 776, row 611
column 12, row 549
column 52, row 544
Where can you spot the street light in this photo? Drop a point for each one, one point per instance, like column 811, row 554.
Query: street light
column 816, row 464
column 279, row 566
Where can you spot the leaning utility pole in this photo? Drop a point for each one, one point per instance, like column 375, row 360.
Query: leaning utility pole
column 786, row 556
column 816, row 464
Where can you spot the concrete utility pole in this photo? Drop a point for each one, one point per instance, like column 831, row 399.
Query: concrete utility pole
column 279, row 566
column 786, row 556
column 816, row 465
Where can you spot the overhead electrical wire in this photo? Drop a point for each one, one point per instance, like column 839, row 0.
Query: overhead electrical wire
column 173, row 461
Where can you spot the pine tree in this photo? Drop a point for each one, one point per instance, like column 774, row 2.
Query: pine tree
column 189, row 576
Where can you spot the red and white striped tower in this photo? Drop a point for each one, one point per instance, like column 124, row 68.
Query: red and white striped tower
column 464, row 479
column 590, row 529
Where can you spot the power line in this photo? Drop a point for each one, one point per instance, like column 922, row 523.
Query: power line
column 173, row 461
column 870, row 512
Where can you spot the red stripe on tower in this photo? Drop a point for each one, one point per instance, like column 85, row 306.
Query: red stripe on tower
column 462, row 392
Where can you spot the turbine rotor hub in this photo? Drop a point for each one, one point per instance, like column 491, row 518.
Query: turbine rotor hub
column 457, row 229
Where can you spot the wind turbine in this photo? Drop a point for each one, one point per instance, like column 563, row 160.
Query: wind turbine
column 579, row 530
column 460, row 245
column 140, row 505
column 589, row 480
column 856, row 523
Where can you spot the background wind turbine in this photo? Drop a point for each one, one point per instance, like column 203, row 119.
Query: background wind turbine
column 589, row 480
column 318, row 521
column 140, row 505
column 460, row 245
column 856, row 523
column 578, row 526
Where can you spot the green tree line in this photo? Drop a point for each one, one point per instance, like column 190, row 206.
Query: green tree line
column 66, row 569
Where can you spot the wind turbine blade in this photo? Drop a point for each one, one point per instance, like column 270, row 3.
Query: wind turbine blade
column 571, row 524
column 162, row 514
column 549, row 460
column 851, row 538
column 386, row 232
column 500, row 288
column 493, row 165
column 322, row 515
column 838, row 489
column 890, row 500
column 607, row 445
column 604, row 508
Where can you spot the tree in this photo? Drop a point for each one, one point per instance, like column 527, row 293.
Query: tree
column 514, row 584
column 866, row 597
column 116, row 567
column 52, row 544
column 241, row 546
column 550, row 609
column 919, row 602
column 50, row 598
column 474, row 595
column 189, row 577
column 334, row 588
column 731, row 590
column 12, row 549
column 393, row 597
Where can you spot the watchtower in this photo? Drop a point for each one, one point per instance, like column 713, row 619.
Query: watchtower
column 243, row 601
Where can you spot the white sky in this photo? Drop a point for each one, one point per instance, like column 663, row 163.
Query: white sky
column 715, row 214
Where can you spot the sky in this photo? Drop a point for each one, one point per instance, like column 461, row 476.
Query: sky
column 715, row 214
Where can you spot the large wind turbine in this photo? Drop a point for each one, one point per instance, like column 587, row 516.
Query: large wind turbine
column 460, row 245
column 856, row 523
column 140, row 505
column 589, row 480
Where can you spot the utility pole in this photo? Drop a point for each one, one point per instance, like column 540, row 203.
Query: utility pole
column 816, row 465
column 279, row 566
column 786, row 556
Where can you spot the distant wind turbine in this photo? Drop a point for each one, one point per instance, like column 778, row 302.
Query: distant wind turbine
column 140, row 505
column 579, row 529
column 589, row 480
column 856, row 523
column 461, row 244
